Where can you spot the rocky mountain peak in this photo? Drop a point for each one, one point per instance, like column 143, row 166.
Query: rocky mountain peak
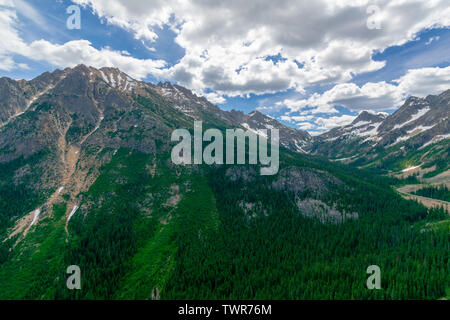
column 290, row 138
column 418, row 123
column 369, row 117
column 258, row 116
column 116, row 79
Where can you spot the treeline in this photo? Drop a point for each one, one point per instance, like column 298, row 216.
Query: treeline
column 435, row 192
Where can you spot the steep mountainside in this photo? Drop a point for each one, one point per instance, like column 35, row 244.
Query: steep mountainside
column 86, row 179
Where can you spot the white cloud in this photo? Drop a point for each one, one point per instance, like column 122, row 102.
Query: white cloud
column 227, row 42
column 68, row 54
column 10, row 40
column 230, row 47
column 7, row 63
column 424, row 81
column 298, row 119
column 315, row 123
column 81, row 51
column 325, row 124
column 315, row 104
column 214, row 97
column 371, row 96
column 138, row 16
column 374, row 96
column 6, row 3
column 268, row 109
column 305, row 126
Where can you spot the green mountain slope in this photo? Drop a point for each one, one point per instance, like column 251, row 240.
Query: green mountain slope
column 140, row 227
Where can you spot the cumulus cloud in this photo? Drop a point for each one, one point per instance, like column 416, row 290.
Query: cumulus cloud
column 294, row 119
column 137, row 16
column 227, row 42
column 371, row 96
column 424, row 81
column 214, row 97
column 317, row 125
column 68, row 54
column 237, row 48
column 10, row 41
column 305, row 126
column 325, row 124
column 316, row 103
column 72, row 53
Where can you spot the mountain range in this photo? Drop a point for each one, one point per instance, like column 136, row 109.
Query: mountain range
column 394, row 142
column 86, row 179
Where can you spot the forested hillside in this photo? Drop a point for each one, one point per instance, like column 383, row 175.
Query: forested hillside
column 440, row 192
column 86, row 179
column 227, row 233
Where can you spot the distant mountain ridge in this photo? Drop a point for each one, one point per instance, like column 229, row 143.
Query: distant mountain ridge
column 377, row 140
column 365, row 125
column 416, row 116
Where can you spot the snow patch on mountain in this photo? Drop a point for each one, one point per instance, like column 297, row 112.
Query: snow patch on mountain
column 37, row 212
column 415, row 117
column 411, row 168
column 435, row 139
column 259, row 132
column 74, row 210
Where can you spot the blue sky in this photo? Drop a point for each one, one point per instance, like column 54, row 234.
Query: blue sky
column 311, row 72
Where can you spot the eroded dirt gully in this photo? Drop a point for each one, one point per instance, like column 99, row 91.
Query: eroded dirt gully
column 73, row 180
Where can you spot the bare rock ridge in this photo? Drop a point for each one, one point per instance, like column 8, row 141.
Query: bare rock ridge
column 86, row 85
